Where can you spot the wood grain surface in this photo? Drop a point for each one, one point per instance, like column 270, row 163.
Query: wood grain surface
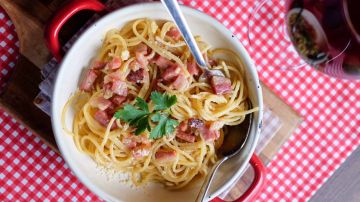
column 29, row 18
column 18, row 98
column 344, row 184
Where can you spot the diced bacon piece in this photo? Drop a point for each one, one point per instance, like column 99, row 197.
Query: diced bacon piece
column 162, row 62
column 171, row 72
column 141, row 48
column 118, row 99
column 133, row 141
column 183, row 126
column 113, row 76
column 141, row 151
column 107, row 91
column 88, row 81
column 136, row 76
column 119, row 88
column 212, row 62
column 129, row 142
column 165, row 156
column 180, row 82
column 115, row 63
column 193, row 68
column 111, row 110
column 186, row 130
column 221, row 85
column 188, row 137
column 102, row 117
column 195, row 123
column 140, row 52
column 100, row 102
column 209, row 135
column 97, row 64
column 141, row 59
column 174, row 33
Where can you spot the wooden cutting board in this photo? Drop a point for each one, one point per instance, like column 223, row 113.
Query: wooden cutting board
column 29, row 18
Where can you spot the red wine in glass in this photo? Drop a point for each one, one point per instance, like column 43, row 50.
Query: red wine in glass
column 326, row 34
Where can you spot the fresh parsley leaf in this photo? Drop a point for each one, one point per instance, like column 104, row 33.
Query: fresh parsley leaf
column 159, row 129
column 130, row 113
column 156, row 117
column 142, row 124
column 138, row 115
column 139, row 118
column 162, row 101
column 170, row 126
column 165, row 125
column 142, row 104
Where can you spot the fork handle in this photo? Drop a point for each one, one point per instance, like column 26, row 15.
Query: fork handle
column 175, row 12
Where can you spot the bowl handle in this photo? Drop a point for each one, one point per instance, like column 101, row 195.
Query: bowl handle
column 61, row 17
column 257, row 184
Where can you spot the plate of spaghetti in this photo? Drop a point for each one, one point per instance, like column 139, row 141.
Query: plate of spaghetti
column 128, row 101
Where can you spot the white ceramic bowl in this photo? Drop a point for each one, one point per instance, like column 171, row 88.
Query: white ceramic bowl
column 78, row 57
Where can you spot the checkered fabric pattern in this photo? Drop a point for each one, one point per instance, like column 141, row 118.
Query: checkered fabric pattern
column 330, row 107
column 8, row 49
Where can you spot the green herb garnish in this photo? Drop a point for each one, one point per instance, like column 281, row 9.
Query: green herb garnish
column 162, row 101
column 138, row 115
column 165, row 125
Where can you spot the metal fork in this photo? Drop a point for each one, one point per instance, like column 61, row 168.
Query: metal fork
column 175, row 12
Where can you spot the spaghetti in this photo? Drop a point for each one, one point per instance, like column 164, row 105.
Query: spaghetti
column 143, row 57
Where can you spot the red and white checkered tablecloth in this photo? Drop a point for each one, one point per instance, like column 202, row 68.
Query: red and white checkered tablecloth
column 31, row 171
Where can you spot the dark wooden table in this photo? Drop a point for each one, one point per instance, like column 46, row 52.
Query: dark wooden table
column 344, row 184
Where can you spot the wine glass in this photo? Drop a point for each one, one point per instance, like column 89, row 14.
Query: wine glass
column 322, row 33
